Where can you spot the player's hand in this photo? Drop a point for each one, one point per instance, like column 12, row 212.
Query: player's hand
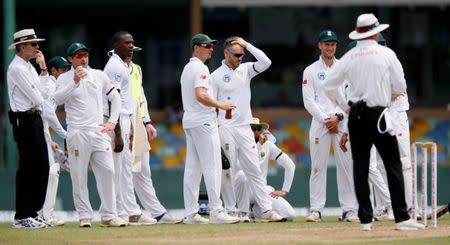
column 343, row 141
column 79, row 73
column 240, row 41
column 118, row 143
column 226, row 106
column 263, row 137
column 54, row 146
column 40, row 59
column 107, row 127
column 151, row 131
column 395, row 96
column 277, row 194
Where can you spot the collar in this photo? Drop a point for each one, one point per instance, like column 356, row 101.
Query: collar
column 229, row 68
column 366, row 42
column 21, row 61
column 116, row 56
column 322, row 63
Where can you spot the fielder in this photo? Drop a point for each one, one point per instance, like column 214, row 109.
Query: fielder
column 326, row 128
column 267, row 150
column 231, row 83
column 81, row 90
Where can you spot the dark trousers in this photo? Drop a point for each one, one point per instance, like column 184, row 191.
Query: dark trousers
column 33, row 168
column 363, row 132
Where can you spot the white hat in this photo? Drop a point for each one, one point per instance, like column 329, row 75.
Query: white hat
column 367, row 25
column 24, row 36
column 256, row 122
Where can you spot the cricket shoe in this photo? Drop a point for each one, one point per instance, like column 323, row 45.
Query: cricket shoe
column 54, row 221
column 366, row 227
column 385, row 215
column 169, row 219
column 85, row 223
column 408, row 225
column 141, row 219
column 28, row 223
column 114, row 222
column 195, row 219
column 273, row 216
column 314, row 216
column 223, row 218
column 349, row 216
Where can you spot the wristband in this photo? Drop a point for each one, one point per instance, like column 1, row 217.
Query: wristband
column 340, row 116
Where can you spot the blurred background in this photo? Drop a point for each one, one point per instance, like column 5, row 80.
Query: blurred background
column 286, row 30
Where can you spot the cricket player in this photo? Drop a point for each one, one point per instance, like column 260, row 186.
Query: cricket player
column 327, row 127
column 81, row 90
column 231, row 83
column 267, row 150
column 202, row 136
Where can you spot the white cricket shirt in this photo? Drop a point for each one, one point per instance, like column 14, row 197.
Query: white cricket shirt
column 234, row 86
column 119, row 73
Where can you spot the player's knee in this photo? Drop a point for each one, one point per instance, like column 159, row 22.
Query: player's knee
column 54, row 169
column 240, row 177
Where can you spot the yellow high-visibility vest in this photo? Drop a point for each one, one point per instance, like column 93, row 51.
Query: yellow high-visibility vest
column 136, row 90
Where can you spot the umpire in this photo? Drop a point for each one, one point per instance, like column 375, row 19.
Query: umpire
column 26, row 100
column 374, row 74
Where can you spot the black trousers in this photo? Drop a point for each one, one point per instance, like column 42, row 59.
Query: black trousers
column 33, row 168
column 363, row 132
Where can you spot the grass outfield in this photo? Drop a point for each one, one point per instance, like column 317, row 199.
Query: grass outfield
column 297, row 232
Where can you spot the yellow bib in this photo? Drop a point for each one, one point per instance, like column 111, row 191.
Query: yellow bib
column 136, row 82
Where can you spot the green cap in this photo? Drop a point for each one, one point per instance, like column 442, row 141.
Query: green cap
column 75, row 47
column 58, row 62
column 200, row 38
column 327, row 36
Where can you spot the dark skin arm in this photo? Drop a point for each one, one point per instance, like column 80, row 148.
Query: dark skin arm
column 118, row 141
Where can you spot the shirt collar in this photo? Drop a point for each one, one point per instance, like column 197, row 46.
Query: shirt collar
column 322, row 63
column 114, row 55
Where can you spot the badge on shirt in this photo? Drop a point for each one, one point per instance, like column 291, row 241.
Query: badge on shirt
column 226, row 78
column 316, row 141
column 321, row 75
column 77, row 153
column 117, row 77
column 202, row 77
column 262, row 154
column 227, row 147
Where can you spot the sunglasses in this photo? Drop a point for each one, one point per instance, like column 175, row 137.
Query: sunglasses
column 81, row 55
column 208, row 46
column 34, row 44
column 237, row 55
column 256, row 128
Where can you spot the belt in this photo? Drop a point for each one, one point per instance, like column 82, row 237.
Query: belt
column 32, row 111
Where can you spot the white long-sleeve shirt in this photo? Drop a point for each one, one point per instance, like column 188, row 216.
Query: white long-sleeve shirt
column 314, row 98
column 269, row 151
column 234, row 86
column 83, row 101
column 24, row 86
column 119, row 74
column 373, row 73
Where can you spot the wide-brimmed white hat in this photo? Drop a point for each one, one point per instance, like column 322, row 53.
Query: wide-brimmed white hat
column 367, row 25
column 24, row 36
column 256, row 122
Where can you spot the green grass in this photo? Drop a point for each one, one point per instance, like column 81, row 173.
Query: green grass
column 297, row 232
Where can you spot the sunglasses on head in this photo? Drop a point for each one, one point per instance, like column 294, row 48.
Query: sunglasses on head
column 237, row 55
column 208, row 46
column 81, row 55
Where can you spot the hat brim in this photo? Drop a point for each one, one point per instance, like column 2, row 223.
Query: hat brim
column 354, row 35
column 264, row 126
column 13, row 46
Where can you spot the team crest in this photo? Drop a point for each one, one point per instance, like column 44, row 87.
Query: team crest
column 226, row 78
column 117, row 77
column 262, row 154
column 316, row 141
column 77, row 153
column 227, row 147
column 321, row 75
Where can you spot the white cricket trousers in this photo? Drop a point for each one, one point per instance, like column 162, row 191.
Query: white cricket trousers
column 227, row 191
column 404, row 146
column 246, row 198
column 320, row 140
column 90, row 146
column 125, row 201
column 202, row 157
column 239, row 145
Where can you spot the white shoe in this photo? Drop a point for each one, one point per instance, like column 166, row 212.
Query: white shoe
column 223, row 218
column 85, row 223
column 114, row 222
column 408, row 225
column 141, row 219
column 54, row 221
column 169, row 219
column 195, row 219
column 273, row 216
column 350, row 216
column 314, row 216
column 244, row 218
column 366, row 227
column 28, row 223
column 385, row 215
